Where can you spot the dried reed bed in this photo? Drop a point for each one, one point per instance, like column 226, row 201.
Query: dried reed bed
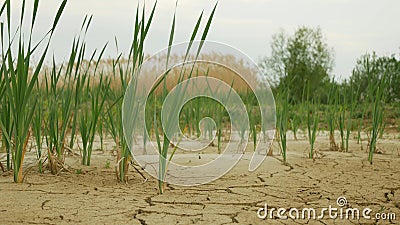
column 229, row 70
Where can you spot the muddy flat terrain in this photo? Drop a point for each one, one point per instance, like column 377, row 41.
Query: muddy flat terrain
column 91, row 195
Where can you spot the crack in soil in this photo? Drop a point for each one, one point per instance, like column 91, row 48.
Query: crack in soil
column 149, row 201
column 232, row 216
column 262, row 179
column 141, row 211
column 44, row 203
column 141, row 221
column 252, row 204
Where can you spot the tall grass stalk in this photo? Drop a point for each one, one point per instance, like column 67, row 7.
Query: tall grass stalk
column 312, row 124
column 283, row 124
column 218, row 113
column 351, row 108
column 5, row 112
column 342, row 118
column 114, row 119
column 38, row 129
column 295, row 121
column 360, row 121
column 89, row 121
column 7, row 127
column 173, row 114
column 127, row 74
column 312, row 127
column 377, row 96
column 251, row 111
column 78, row 74
column 58, row 120
column 331, row 114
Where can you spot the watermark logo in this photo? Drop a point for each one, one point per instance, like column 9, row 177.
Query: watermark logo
column 342, row 211
column 177, row 75
column 341, row 201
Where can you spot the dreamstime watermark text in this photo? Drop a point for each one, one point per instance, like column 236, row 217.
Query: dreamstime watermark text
column 339, row 211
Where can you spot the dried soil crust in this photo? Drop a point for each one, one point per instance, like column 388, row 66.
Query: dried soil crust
column 94, row 196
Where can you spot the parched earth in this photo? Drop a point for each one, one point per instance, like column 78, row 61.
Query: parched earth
column 91, row 195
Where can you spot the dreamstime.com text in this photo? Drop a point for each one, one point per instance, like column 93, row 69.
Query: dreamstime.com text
column 330, row 212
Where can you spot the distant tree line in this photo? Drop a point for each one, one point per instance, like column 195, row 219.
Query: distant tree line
column 301, row 65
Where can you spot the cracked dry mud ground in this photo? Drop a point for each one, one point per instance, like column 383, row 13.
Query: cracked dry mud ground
column 94, row 196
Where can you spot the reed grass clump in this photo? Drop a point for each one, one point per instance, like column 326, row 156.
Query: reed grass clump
column 19, row 83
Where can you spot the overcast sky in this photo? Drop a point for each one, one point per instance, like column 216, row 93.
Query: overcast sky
column 351, row 27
